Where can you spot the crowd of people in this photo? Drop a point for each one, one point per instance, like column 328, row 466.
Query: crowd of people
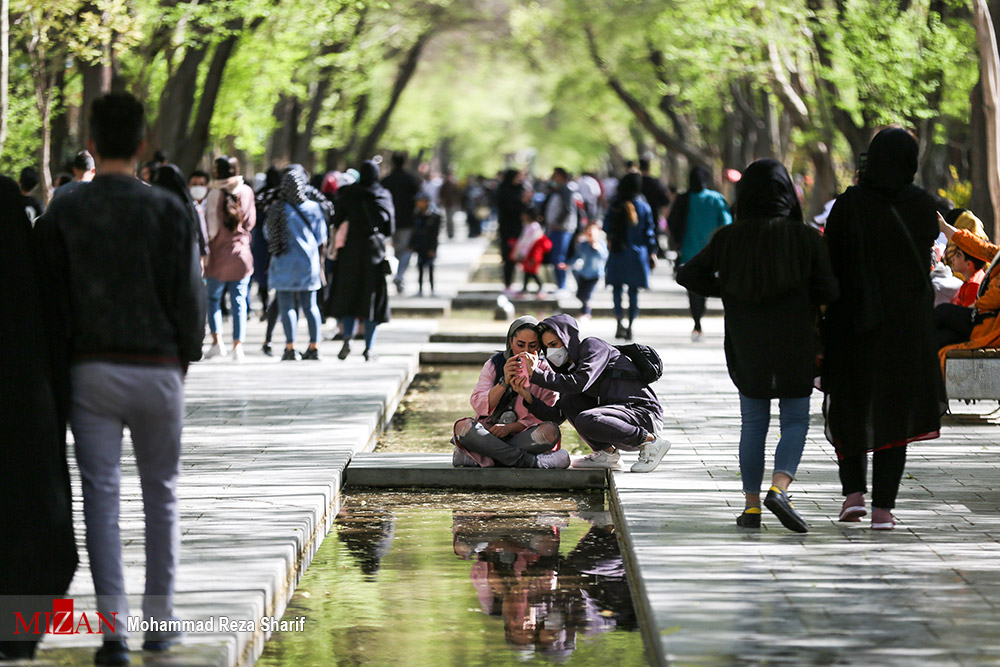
column 118, row 293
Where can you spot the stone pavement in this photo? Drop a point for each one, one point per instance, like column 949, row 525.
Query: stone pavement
column 927, row 593
column 264, row 447
column 266, row 443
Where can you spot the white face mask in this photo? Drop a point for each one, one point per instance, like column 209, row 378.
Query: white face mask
column 199, row 192
column 557, row 356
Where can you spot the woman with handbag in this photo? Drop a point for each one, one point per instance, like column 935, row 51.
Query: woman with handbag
column 359, row 290
column 772, row 272
column 881, row 376
column 505, row 433
column 295, row 233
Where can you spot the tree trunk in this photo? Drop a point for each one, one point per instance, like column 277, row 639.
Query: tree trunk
column 176, row 103
column 980, row 202
column 990, row 78
column 194, row 146
column 825, row 179
column 96, row 82
column 4, row 68
column 403, row 76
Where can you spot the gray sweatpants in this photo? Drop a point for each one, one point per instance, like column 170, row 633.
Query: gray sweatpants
column 518, row 451
column 149, row 400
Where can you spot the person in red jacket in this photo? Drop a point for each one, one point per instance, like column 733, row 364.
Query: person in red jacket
column 531, row 248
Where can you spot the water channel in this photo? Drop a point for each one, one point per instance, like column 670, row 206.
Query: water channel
column 450, row 578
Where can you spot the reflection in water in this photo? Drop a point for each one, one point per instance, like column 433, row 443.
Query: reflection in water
column 544, row 599
column 471, row 579
column 367, row 534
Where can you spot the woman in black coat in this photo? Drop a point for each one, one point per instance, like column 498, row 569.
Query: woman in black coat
column 880, row 371
column 37, row 547
column 772, row 272
column 359, row 289
column 510, row 207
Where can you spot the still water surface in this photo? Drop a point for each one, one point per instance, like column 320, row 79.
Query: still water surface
column 440, row 578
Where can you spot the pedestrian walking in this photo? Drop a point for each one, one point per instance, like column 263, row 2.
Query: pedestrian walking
column 230, row 217
column 511, row 204
column 424, row 242
column 359, row 289
column 561, row 220
column 404, row 188
column 880, row 374
column 296, row 233
column 121, row 260
column 694, row 217
column 632, row 239
column 588, row 265
column 773, row 273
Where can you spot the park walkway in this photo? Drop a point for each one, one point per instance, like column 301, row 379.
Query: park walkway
column 266, row 443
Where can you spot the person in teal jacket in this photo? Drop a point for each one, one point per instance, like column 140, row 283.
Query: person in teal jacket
column 693, row 219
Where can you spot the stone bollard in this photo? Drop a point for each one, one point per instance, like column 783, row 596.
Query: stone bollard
column 504, row 310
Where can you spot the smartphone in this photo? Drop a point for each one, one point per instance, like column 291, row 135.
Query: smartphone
column 522, row 369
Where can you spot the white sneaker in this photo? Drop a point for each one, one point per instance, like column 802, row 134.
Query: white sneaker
column 650, row 454
column 556, row 459
column 216, row 350
column 238, row 355
column 695, row 336
column 602, row 458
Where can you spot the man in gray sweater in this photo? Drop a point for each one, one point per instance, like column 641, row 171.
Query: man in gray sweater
column 121, row 267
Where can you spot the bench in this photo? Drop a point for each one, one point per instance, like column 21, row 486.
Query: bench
column 973, row 374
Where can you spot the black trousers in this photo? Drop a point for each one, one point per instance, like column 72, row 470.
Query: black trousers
column 887, row 472
column 697, row 303
column 952, row 324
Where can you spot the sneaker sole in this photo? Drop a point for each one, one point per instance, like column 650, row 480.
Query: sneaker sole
column 788, row 520
column 590, row 466
column 884, row 526
column 852, row 514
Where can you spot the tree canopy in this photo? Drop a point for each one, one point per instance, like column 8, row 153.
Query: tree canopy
column 477, row 85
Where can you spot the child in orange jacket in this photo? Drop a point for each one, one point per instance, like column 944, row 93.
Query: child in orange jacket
column 983, row 314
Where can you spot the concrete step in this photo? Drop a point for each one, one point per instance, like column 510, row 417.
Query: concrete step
column 456, row 337
column 436, row 471
column 471, row 353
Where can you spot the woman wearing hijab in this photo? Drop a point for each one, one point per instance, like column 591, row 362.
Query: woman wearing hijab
column 600, row 393
column 37, row 548
column 359, row 289
column 295, row 233
column 510, row 208
column 504, row 432
column 693, row 219
column 632, row 240
column 772, row 272
column 230, row 217
column 880, row 373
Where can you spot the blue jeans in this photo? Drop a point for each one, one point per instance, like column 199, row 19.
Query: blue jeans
column 349, row 324
column 557, row 256
column 633, row 301
column 290, row 313
column 238, row 290
column 756, row 414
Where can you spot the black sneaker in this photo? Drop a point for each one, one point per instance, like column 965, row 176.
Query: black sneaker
column 267, row 350
column 312, row 354
column 779, row 502
column 113, row 652
column 290, row 355
column 369, row 354
column 620, row 331
column 628, row 333
column 749, row 519
column 345, row 349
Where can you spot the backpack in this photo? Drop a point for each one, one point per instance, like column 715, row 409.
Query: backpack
column 646, row 360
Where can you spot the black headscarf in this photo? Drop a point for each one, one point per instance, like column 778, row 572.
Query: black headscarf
column 369, row 174
column 892, row 165
column 763, row 254
column 622, row 212
column 169, row 177
column 885, row 188
column 291, row 191
column 699, row 179
column 765, row 191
